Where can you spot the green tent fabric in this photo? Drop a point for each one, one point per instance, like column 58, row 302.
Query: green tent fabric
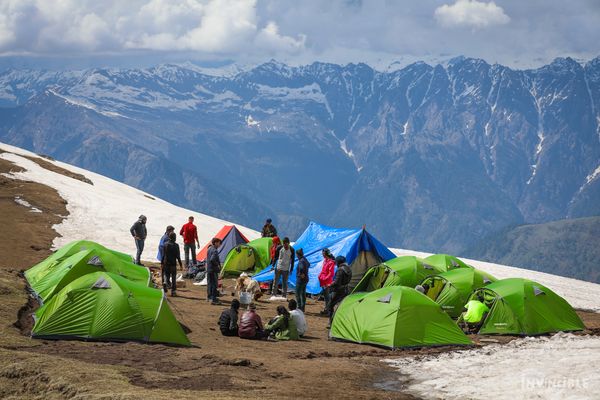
column 446, row 261
column 452, row 289
column 523, row 307
column 46, row 279
column 400, row 271
column 105, row 306
column 395, row 317
column 75, row 247
column 253, row 256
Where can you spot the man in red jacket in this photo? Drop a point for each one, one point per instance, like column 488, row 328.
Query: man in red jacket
column 190, row 239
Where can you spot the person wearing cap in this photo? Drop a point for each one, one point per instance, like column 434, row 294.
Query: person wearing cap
column 301, row 279
column 251, row 326
column 326, row 277
column 228, row 321
column 213, row 267
column 139, row 233
column 339, row 286
column 171, row 255
column 190, row 240
column 285, row 257
column 268, row 229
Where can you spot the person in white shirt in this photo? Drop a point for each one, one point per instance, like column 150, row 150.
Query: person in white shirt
column 298, row 317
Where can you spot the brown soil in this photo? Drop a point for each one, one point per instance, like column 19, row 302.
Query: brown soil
column 59, row 170
column 216, row 367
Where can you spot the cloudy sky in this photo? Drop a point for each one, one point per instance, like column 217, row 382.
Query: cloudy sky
column 519, row 33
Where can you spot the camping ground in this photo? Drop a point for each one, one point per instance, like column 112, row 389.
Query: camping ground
column 215, row 367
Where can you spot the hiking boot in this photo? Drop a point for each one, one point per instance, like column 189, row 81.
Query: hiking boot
column 173, row 294
column 215, row 303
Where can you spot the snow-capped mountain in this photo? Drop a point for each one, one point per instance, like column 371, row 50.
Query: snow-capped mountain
column 430, row 157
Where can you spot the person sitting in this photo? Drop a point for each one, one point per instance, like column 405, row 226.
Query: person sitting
column 474, row 315
column 246, row 284
column 283, row 326
column 251, row 326
column 298, row 317
column 228, row 321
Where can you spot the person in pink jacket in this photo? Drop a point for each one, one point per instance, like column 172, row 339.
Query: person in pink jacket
column 326, row 276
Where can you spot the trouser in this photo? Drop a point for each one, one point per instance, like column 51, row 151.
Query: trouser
column 326, row 297
column 284, row 282
column 189, row 247
column 336, row 297
column 170, row 274
column 301, row 295
column 139, row 245
column 166, row 277
column 212, row 280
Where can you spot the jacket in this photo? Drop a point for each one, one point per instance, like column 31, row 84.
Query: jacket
column 138, row 229
column 273, row 249
column 250, row 324
column 327, row 271
column 228, row 322
column 213, row 263
column 171, row 254
column 302, row 271
column 268, row 230
column 189, row 233
column 292, row 258
column 342, row 278
column 163, row 240
column 283, row 332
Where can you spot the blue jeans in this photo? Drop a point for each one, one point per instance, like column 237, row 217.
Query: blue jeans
column 139, row 245
column 212, row 280
column 301, row 295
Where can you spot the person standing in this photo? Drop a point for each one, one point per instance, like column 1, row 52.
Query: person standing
column 268, row 229
column 301, row 279
column 339, row 286
column 213, row 267
column 228, row 321
column 326, row 276
column 284, row 265
column 190, row 239
column 273, row 250
column 164, row 239
column 139, row 233
column 171, row 256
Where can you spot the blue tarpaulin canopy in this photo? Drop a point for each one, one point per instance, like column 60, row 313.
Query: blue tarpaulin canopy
column 342, row 242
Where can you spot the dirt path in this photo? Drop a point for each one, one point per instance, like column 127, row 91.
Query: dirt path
column 217, row 367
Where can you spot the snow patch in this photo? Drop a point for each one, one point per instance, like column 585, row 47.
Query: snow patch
column 25, row 203
column 558, row 367
column 112, row 206
column 404, row 128
column 252, row 122
column 85, row 104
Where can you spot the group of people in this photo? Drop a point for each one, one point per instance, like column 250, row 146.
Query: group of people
column 282, row 260
column 286, row 325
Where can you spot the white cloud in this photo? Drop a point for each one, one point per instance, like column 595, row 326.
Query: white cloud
column 224, row 27
column 471, row 13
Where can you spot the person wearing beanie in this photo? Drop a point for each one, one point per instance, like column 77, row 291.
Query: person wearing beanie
column 139, row 233
column 171, row 255
column 268, row 229
column 163, row 240
column 339, row 286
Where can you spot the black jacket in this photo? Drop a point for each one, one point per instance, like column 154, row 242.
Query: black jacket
column 302, row 271
column 342, row 278
column 171, row 254
column 269, row 230
column 228, row 322
column 292, row 258
column 138, row 229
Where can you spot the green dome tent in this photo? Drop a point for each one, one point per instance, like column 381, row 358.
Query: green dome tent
column 75, row 247
column 446, row 261
column 46, row 279
column 400, row 271
column 105, row 306
column 253, row 256
column 395, row 317
column 452, row 289
column 523, row 307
